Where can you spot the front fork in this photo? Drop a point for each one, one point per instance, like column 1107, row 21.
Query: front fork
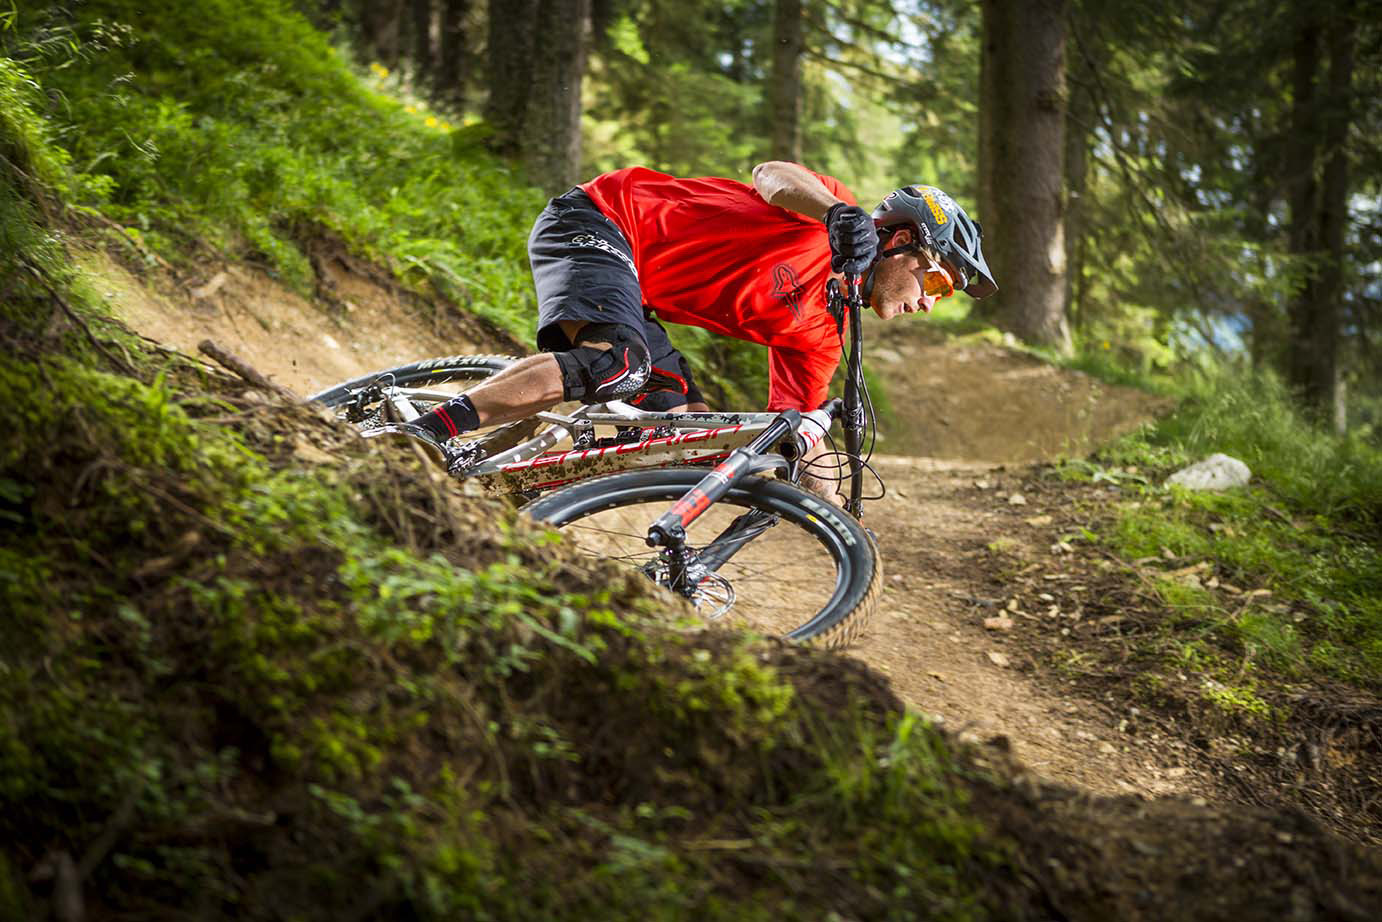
column 686, row 566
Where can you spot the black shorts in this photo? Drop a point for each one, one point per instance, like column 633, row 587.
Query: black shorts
column 583, row 270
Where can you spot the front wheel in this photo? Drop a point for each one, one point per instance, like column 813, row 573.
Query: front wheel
column 769, row 556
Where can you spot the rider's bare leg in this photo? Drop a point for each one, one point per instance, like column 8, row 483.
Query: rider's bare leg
column 528, row 386
column 696, row 407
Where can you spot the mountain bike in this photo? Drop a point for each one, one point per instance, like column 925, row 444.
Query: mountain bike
column 632, row 486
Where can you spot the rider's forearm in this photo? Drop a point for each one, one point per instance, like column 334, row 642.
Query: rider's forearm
column 792, row 186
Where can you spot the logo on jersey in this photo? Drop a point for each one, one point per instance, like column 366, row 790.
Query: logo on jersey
column 787, row 287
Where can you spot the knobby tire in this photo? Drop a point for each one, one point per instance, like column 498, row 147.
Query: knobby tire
column 858, row 577
column 426, row 373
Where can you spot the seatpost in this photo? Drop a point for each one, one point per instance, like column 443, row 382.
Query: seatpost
column 854, row 409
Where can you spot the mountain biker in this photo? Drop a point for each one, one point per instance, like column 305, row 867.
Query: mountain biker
column 614, row 256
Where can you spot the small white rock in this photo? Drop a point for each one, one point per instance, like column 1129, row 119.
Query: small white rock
column 1217, row 472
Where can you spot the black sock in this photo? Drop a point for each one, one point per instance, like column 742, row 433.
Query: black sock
column 450, row 419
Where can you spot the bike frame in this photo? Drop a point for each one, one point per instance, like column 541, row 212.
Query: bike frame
column 669, row 531
column 742, row 443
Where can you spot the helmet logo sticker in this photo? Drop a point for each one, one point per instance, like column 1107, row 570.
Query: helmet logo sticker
column 788, row 288
column 935, row 208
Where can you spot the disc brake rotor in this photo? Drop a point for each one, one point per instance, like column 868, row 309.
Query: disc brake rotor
column 711, row 595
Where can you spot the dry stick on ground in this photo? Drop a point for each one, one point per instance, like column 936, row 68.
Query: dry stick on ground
column 439, row 497
column 124, row 365
column 233, row 362
column 133, row 241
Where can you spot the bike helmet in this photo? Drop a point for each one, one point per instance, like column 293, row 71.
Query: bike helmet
column 943, row 226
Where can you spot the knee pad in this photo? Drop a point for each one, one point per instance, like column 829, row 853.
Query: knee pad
column 597, row 375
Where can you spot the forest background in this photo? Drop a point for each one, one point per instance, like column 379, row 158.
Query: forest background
column 1162, row 183
column 1164, row 186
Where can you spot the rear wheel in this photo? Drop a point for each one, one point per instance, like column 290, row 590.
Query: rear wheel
column 372, row 402
column 769, row 556
column 451, row 375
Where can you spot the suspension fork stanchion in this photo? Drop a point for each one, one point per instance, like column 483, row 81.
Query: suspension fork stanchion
column 670, row 529
column 853, row 418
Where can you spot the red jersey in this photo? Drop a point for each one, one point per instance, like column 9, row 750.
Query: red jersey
column 711, row 253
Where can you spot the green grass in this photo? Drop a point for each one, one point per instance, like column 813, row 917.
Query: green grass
column 1321, row 588
column 1253, row 418
column 1304, row 535
column 1107, row 365
column 238, row 126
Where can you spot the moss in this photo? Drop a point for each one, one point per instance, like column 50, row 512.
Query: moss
column 253, row 655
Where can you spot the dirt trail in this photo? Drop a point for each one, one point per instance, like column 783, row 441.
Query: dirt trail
column 934, row 527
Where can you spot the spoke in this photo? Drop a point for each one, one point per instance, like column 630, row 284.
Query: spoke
column 604, row 555
column 774, row 579
column 632, row 536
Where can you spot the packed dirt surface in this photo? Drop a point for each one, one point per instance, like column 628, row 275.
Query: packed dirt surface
column 984, row 402
column 305, row 346
column 974, row 406
column 948, row 644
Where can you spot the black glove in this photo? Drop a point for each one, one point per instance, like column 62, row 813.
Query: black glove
column 853, row 239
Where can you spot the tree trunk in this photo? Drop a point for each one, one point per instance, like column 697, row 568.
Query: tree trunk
column 1022, row 130
column 512, row 40
column 450, row 75
column 422, row 39
column 988, row 89
column 550, row 138
column 1302, row 189
column 1091, row 54
column 382, row 21
column 784, row 96
column 1326, row 391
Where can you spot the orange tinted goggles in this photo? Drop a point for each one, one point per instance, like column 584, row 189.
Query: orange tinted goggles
column 936, row 282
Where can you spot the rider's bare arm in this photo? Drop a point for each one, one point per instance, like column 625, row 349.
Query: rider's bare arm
column 792, row 186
